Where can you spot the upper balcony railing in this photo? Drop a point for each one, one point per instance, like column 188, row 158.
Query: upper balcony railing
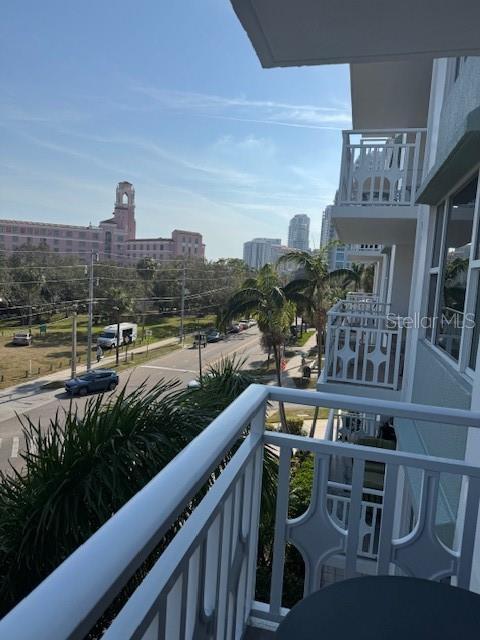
column 202, row 582
column 365, row 345
column 381, row 167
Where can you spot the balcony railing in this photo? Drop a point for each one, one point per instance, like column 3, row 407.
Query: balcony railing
column 364, row 345
column 203, row 583
column 381, row 167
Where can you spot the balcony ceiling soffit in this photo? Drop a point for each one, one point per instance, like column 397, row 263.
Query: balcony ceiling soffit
column 311, row 32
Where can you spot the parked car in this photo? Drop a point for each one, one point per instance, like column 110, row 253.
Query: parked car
column 243, row 324
column 252, row 322
column 22, row 338
column 97, row 380
column 200, row 339
column 234, row 328
column 214, row 336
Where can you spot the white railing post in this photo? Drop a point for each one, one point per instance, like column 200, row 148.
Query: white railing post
column 257, row 426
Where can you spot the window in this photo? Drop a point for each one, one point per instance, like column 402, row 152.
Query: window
column 472, row 358
column 459, row 62
column 456, row 257
column 453, row 306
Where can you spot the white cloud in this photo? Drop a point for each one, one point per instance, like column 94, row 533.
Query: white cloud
column 262, row 111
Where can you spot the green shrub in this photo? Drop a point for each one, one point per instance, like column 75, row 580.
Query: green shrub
column 295, row 426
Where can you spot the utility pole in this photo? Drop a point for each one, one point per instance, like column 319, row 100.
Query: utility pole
column 199, row 354
column 74, row 342
column 93, row 256
column 182, row 307
column 117, row 341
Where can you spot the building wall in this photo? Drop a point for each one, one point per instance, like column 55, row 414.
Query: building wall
column 187, row 243
column 401, row 278
column 63, row 239
column 462, row 95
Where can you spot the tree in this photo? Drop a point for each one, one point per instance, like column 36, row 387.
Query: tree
column 315, row 284
column 146, row 270
column 263, row 297
column 361, row 277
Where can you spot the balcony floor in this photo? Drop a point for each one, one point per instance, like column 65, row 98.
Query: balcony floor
column 253, row 633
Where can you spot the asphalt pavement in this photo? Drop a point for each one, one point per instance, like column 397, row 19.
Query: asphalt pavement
column 181, row 365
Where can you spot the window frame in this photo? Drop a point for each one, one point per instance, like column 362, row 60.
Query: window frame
column 473, row 276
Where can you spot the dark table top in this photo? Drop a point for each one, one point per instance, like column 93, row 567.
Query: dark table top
column 384, row 608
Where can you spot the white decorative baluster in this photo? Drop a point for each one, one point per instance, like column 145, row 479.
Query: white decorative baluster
column 276, row 588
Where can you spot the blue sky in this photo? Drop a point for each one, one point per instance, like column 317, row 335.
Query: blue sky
column 170, row 96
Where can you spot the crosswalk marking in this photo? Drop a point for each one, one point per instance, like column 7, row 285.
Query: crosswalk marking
column 15, row 445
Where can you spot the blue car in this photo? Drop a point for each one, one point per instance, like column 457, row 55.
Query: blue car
column 97, row 380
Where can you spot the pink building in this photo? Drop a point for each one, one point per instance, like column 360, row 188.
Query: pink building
column 113, row 239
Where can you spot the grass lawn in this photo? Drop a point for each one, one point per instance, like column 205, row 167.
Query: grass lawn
column 52, row 351
column 298, row 412
column 301, row 340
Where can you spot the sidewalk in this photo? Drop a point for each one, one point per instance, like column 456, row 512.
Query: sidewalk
column 294, row 364
column 18, row 398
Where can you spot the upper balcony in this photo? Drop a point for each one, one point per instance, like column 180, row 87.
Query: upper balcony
column 379, row 177
column 190, row 537
column 363, row 253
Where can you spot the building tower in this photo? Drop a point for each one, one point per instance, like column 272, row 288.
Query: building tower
column 124, row 212
column 299, row 232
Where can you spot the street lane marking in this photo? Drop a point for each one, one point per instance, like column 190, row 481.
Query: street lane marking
column 1, row 443
column 153, row 366
column 15, row 445
column 32, row 445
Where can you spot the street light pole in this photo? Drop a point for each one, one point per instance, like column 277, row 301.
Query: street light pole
column 90, row 312
column 199, row 355
column 74, row 342
column 182, row 307
column 117, row 341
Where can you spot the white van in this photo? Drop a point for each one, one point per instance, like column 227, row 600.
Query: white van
column 108, row 338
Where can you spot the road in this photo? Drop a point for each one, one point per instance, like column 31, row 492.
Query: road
column 179, row 365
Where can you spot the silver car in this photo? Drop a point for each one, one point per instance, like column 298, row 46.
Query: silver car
column 22, row 338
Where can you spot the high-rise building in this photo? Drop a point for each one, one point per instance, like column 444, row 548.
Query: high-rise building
column 299, row 232
column 113, row 238
column 261, row 251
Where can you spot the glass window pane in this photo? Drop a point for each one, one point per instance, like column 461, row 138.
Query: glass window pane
column 437, row 241
column 431, row 306
column 455, row 269
column 476, row 332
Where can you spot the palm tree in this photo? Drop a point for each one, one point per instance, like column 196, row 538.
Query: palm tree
column 357, row 275
column 362, row 276
column 263, row 297
column 315, row 284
